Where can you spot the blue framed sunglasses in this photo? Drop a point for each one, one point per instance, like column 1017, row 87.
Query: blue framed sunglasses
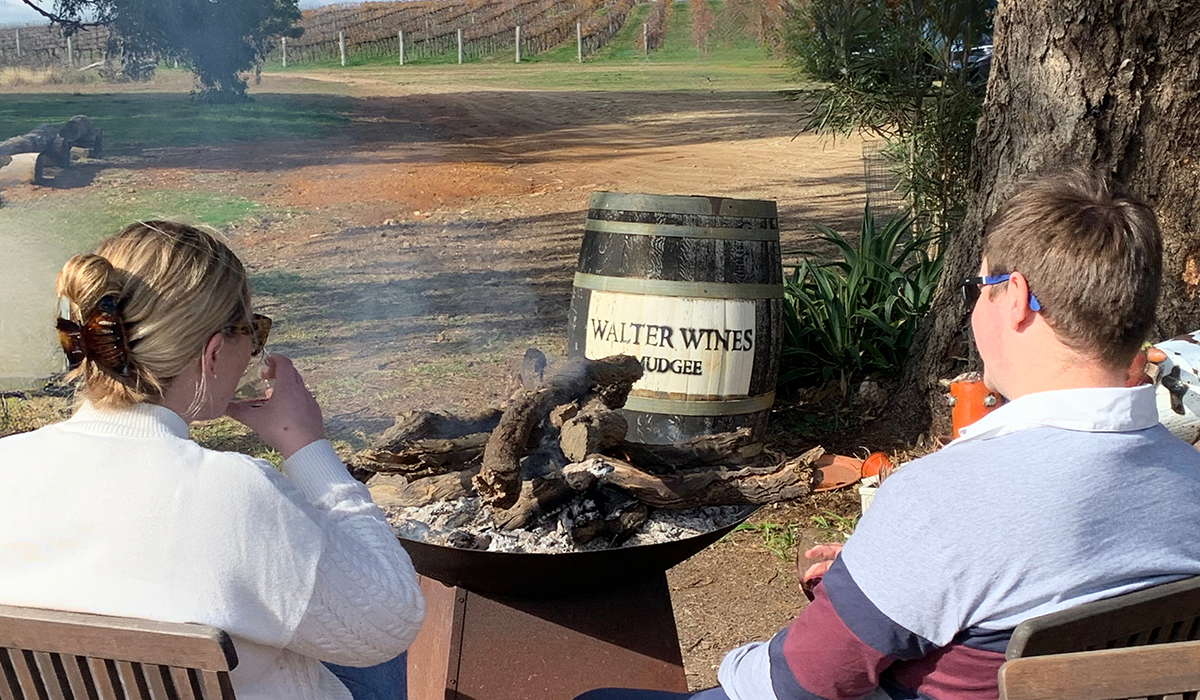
column 972, row 286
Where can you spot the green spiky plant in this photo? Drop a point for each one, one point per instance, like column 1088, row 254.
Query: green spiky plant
column 854, row 317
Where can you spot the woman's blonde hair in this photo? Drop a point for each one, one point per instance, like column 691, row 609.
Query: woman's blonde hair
column 175, row 286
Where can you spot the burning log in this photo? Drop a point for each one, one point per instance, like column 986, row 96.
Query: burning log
column 538, row 497
column 594, row 428
column 717, row 486
column 420, row 458
column 399, row 491
column 616, row 518
column 422, row 425
column 422, row 444
column 610, row 379
column 558, row 454
column 735, row 448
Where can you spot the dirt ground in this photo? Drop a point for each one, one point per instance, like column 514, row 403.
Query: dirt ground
column 410, row 258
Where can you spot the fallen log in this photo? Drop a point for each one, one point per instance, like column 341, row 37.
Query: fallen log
column 21, row 169
column 499, row 481
column 748, row 485
column 397, row 491
column 40, row 140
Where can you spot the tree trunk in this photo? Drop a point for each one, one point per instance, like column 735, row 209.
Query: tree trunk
column 1112, row 85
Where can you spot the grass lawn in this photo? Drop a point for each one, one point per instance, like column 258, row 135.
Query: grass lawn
column 133, row 121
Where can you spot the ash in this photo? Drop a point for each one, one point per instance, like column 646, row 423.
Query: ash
column 465, row 523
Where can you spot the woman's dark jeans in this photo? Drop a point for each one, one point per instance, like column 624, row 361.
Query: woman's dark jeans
column 386, row 681
column 630, row 694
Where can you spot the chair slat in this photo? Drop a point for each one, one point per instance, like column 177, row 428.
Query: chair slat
column 8, row 680
column 213, row 689
column 28, row 676
column 183, row 684
column 102, row 675
column 131, row 681
column 50, row 677
column 1134, row 672
column 154, row 679
column 75, row 679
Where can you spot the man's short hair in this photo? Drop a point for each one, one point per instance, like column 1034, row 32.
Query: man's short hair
column 1092, row 256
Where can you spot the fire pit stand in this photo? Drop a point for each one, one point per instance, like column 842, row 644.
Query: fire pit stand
column 484, row 646
column 522, row 626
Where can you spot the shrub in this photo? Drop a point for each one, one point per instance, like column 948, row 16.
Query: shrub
column 852, row 318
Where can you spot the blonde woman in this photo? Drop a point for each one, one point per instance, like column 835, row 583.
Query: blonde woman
column 115, row 511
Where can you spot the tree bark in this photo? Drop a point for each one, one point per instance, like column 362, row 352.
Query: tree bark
column 712, row 487
column 1112, row 85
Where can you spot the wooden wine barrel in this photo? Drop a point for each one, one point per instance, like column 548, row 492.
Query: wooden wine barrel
column 692, row 286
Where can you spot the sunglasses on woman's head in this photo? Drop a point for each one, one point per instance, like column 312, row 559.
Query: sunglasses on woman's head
column 258, row 328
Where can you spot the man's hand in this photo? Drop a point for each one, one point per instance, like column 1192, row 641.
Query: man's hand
column 1144, row 368
column 290, row 418
column 813, row 565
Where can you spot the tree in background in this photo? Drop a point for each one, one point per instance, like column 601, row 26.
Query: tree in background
column 702, row 24
column 215, row 39
column 900, row 70
column 1112, row 85
column 759, row 20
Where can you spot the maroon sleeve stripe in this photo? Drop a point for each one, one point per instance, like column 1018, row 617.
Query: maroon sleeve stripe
column 955, row 671
column 867, row 622
column 824, row 657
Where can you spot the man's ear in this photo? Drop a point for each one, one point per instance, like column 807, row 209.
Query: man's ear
column 208, row 361
column 1017, row 301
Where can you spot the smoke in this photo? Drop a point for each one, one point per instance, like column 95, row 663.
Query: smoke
column 30, row 258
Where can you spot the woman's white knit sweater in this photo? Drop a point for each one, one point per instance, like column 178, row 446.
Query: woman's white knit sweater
column 117, row 512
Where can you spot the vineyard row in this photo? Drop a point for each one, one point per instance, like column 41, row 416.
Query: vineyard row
column 431, row 28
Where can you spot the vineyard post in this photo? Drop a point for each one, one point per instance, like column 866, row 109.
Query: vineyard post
column 518, row 43
column 285, row 52
column 401, row 34
column 342, row 46
column 460, row 47
column 579, row 40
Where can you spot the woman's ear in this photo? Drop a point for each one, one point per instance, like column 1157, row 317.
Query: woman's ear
column 208, row 360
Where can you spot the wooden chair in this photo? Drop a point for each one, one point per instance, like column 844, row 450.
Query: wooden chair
column 1107, row 674
column 1140, row 644
column 1166, row 613
column 53, row 655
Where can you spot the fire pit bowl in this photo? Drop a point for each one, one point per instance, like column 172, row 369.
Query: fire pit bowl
column 549, row 575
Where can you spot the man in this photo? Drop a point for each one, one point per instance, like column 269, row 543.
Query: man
column 1069, row 493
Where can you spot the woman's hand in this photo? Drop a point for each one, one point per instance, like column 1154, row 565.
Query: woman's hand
column 290, row 418
column 813, row 565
